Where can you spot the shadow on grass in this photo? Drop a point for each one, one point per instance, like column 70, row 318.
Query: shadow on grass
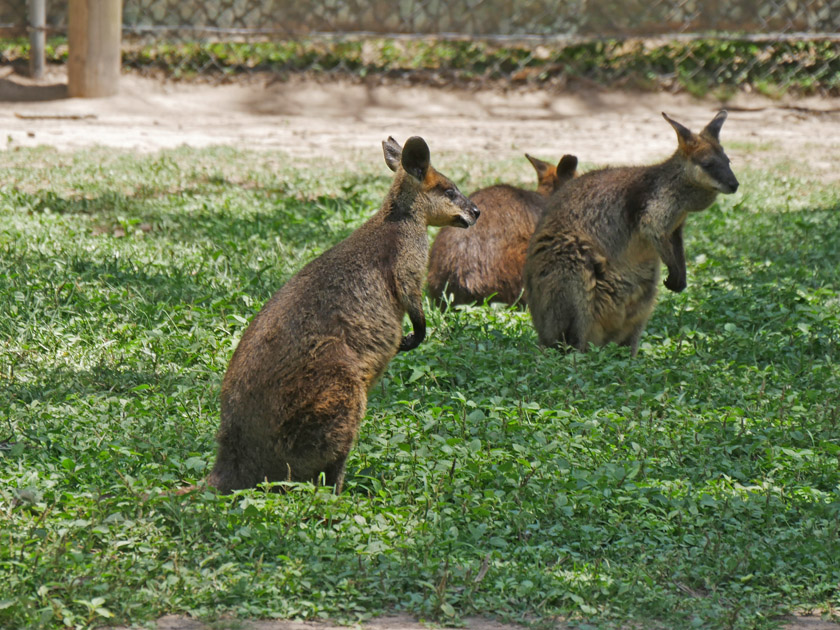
column 195, row 214
column 302, row 227
column 141, row 293
column 60, row 384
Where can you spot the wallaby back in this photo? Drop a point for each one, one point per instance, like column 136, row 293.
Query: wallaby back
column 592, row 266
column 485, row 262
column 296, row 388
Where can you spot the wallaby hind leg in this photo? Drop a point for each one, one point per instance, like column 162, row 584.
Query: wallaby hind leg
column 558, row 317
column 633, row 339
column 561, row 328
column 239, row 461
column 310, row 464
column 334, row 474
column 326, row 431
column 575, row 337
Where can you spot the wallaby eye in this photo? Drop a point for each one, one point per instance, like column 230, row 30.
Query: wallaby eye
column 450, row 193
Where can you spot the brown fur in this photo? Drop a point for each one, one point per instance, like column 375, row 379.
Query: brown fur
column 486, row 262
column 296, row 388
column 592, row 269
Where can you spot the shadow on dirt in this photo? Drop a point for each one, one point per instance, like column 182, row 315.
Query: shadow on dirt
column 15, row 89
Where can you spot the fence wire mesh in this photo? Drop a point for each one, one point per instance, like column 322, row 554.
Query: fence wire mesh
column 687, row 44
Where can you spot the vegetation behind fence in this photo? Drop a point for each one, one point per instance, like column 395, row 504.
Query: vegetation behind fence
column 766, row 45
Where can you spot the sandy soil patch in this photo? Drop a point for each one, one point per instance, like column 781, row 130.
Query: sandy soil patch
column 314, row 119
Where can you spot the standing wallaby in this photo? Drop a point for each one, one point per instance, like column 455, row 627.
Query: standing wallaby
column 296, row 388
column 486, row 262
column 592, row 270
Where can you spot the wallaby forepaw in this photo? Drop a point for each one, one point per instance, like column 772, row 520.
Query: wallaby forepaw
column 409, row 342
column 675, row 284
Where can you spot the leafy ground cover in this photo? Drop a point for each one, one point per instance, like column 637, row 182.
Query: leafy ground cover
column 721, row 66
column 695, row 486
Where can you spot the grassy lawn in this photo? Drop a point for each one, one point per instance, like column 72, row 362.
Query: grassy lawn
column 696, row 486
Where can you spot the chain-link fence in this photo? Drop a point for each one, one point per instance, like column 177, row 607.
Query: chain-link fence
column 689, row 44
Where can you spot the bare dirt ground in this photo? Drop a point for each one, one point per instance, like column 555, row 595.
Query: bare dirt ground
column 331, row 119
column 338, row 119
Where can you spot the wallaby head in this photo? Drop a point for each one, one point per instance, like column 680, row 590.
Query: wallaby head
column 706, row 164
column 436, row 195
column 550, row 177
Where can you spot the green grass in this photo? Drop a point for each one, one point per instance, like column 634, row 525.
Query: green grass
column 695, row 486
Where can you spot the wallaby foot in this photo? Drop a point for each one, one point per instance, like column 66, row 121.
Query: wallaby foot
column 334, row 474
column 632, row 341
column 559, row 327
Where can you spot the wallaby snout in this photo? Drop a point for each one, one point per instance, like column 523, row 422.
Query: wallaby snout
column 729, row 185
column 469, row 215
column 714, row 165
column 449, row 206
column 716, row 173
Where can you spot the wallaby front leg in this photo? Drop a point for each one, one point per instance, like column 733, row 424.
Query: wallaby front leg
column 418, row 322
column 673, row 255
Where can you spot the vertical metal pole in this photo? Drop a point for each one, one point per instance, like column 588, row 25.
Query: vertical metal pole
column 37, row 37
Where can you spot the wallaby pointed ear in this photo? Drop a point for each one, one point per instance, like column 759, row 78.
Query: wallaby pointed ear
column 393, row 151
column 567, row 166
column 684, row 135
column 541, row 167
column 713, row 128
column 415, row 157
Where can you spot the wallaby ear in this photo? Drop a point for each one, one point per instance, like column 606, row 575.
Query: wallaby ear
column 416, row 158
column 541, row 167
column 567, row 166
column 393, row 151
column 684, row 135
column 713, row 128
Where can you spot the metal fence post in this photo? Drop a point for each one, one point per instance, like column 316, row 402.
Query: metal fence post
column 37, row 37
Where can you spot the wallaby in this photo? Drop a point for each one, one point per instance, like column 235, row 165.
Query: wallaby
column 592, row 269
column 296, row 388
column 486, row 261
column 551, row 178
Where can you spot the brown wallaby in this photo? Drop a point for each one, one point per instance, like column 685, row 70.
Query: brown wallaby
column 592, row 269
column 550, row 177
column 486, row 261
column 296, row 388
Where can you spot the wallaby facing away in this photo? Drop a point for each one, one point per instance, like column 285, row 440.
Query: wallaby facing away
column 551, row 178
column 486, row 261
column 593, row 263
column 296, row 388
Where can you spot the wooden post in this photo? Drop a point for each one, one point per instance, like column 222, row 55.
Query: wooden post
column 37, row 37
column 93, row 68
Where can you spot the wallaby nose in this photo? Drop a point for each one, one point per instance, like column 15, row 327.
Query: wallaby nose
column 733, row 185
column 475, row 211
